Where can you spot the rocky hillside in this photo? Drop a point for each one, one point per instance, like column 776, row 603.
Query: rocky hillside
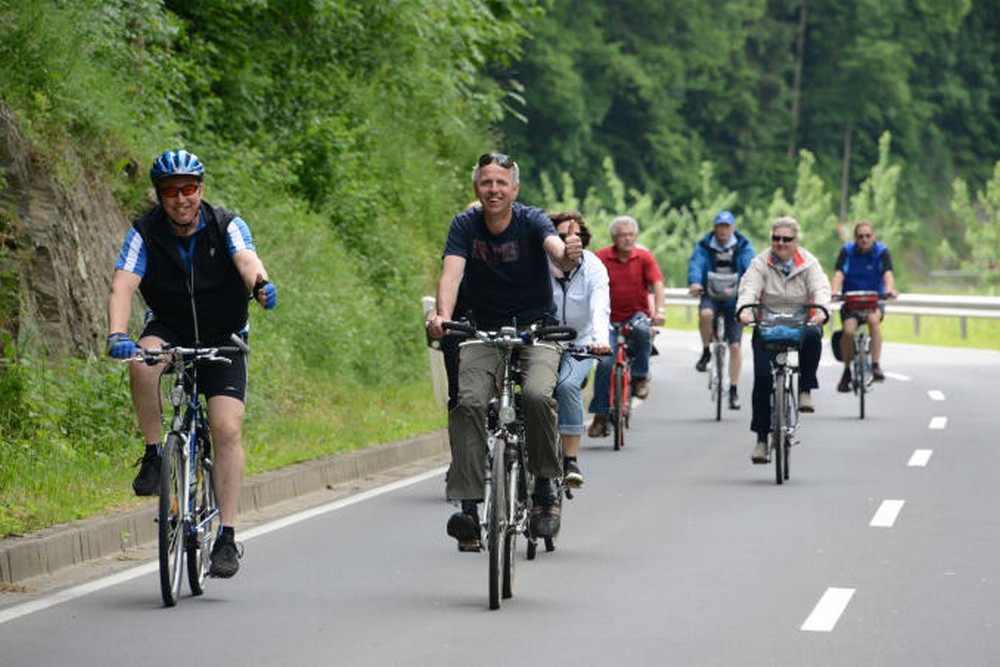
column 59, row 243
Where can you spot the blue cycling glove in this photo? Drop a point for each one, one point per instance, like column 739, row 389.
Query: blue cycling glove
column 120, row 346
column 270, row 294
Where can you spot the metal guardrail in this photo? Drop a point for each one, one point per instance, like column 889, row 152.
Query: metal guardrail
column 917, row 305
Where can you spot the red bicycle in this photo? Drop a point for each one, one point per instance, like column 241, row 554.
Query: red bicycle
column 620, row 401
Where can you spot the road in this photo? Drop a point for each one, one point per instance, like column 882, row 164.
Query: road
column 880, row 550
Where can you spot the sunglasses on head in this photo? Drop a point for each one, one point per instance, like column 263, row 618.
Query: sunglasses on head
column 501, row 159
column 782, row 239
column 171, row 191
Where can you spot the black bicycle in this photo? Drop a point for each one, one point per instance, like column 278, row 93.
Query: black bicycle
column 188, row 514
column 507, row 493
column 859, row 304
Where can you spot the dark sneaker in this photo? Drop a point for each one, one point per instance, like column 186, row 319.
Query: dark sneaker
column 226, row 555
column 545, row 520
column 844, row 385
column 877, row 374
column 702, row 364
column 572, row 475
column 759, row 455
column 147, row 481
column 464, row 527
column 641, row 388
column 598, row 427
column 734, row 399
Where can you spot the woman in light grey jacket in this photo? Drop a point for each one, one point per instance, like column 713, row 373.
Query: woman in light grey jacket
column 783, row 277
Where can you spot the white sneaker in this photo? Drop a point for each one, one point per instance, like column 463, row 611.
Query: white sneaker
column 759, row 455
column 806, row 402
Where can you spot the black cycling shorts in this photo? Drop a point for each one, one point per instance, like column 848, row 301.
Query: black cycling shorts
column 214, row 377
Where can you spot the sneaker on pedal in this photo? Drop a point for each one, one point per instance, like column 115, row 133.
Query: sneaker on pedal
column 734, row 399
column 598, row 427
column 759, row 455
column 464, row 527
column 702, row 364
column 844, row 385
column 225, row 559
column 572, row 475
column 147, row 481
column 877, row 374
column 806, row 402
column 641, row 388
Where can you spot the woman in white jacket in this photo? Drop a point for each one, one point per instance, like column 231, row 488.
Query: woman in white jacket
column 788, row 276
column 582, row 302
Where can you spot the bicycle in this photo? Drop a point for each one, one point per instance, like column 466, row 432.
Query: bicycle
column 620, row 397
column 782, row 332
column 507, row 497
column 188, row 514
column 858, row 304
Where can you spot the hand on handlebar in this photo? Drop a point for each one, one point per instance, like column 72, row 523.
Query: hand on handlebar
column 120, row 346
column 695, row 289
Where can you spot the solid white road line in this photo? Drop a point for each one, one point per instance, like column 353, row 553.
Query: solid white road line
column 920, row 457
column 936, row 395
column 52, row 600
column 828, row 610
column 938, row 423
column 887, row 513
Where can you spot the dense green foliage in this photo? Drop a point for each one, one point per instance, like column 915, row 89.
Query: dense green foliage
column 343, row 131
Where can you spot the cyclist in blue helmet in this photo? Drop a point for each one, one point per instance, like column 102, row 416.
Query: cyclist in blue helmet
column 718, row 256
column 170, row 255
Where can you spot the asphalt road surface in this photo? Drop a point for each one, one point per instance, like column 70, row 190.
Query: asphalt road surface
column 882, row 549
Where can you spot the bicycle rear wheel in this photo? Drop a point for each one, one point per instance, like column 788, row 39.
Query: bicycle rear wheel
column 496, row 522
column 618, row 408
column 170, row 518
column 206, row 519
column 778, row 438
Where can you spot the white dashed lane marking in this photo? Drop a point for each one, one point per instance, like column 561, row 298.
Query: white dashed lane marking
column 938, row 423
column 828, row 610
column 920, row 458
column 887, row 512
column 936, row 395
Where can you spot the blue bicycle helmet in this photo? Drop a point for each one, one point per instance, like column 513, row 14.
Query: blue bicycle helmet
column 725, row 218
column 176, row 163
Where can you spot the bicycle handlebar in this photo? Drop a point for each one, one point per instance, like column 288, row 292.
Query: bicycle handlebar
column 804, row 307
column 511, row 335
column 153, row 356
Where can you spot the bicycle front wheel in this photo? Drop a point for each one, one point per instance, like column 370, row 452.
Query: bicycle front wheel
column 618, row 407
column 496, row 523
column 778, row 437
column 205, row 518
column 173, row 475
column 510, row 543
column 861, row 373
column 718, row 373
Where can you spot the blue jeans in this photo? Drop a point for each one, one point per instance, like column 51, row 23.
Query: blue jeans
column 569, row 397
column 639, row 349
column 809, row 354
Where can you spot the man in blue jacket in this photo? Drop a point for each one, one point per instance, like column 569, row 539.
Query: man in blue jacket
column 716, row 265
column 863, row 264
